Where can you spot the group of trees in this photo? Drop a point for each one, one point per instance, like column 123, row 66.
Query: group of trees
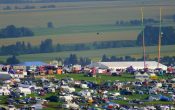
column 13, row 32
column 47, row 46
column 136, row 22
column 114, row 58
column 8, row 7
column 18, row 48
column 151, row 34
column 39, row 1
column 73, row 59
column 12, row 60
column 173, row 18
column 114, row 44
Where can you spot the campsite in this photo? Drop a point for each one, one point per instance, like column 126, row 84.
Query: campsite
column 87, row 55
column 45, row 86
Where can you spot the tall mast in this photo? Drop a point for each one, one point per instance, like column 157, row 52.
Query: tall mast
column 160, row 35
column 143, row 39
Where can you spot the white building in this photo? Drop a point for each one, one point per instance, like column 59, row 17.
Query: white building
column 125, row 64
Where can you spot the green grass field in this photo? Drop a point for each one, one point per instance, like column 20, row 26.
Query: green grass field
column 95, row 55
column 102, row 78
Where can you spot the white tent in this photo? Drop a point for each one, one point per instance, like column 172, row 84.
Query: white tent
column 125, row 64
column 24, row 90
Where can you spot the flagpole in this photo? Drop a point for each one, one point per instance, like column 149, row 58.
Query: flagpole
column 143, row 39
column 159, row 40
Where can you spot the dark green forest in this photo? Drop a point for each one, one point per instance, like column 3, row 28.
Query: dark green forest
column 151, row 34
column 13, row 32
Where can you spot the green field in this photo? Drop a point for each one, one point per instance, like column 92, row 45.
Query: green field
column 97, row 54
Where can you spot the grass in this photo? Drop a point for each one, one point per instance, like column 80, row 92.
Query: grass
column 125, row 77
column 83, row 29
column 3, row 100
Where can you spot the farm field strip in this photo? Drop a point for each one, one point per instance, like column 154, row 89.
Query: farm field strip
column 96, row 15
column 76, row 38
column 83, row 29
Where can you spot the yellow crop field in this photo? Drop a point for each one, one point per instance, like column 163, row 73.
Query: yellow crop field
column 83, row 13
column 76, row 38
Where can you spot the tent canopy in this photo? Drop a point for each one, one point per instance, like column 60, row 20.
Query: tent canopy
column 126, row 64
column 33, row 63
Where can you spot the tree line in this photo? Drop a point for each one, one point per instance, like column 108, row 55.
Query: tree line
column 136, row 22
column 46, row 46
column 72, row 59
column 41, row 1
column 27, row 7
column 13, row 32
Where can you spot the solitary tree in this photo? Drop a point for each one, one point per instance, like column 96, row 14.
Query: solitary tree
column 50, row 25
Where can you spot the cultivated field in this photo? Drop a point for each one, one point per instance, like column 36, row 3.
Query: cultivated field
column 97, row 54
column 78, row 22
column 85, row 13
column 76, row 37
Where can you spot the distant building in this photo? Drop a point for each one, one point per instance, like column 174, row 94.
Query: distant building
column 33, row 63
column 125, row 64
